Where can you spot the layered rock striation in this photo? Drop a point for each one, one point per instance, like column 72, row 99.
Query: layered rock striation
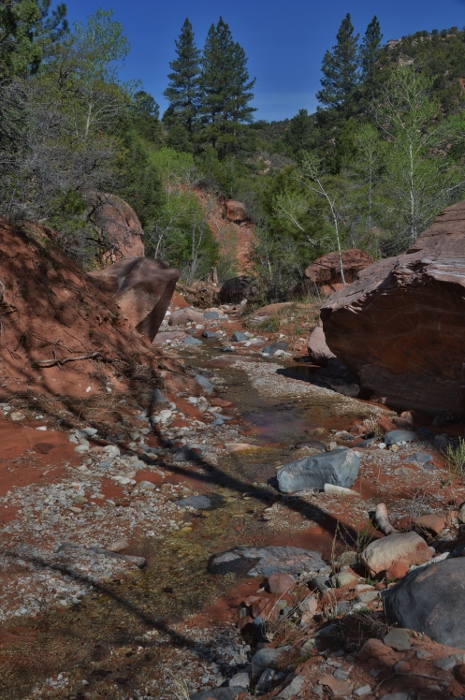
column 401, row 325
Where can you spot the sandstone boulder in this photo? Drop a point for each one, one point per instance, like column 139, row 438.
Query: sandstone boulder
column 431, row 600
column 142, row 288
column 186, row 315
column 400, row 326
column 236, row 289
column 326, row 271
column 406, row 547
column 235, row 211
column 117, row 225
column 317, row 347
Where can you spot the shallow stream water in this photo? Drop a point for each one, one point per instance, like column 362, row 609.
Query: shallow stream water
column 82, row 641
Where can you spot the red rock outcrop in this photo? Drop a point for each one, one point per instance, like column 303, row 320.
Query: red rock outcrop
column 117, row 224
column 401, row 325
column 235, row 211
column 142, row 288
column 326, row 272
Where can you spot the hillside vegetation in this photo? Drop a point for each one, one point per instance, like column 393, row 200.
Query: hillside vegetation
column 383, row 154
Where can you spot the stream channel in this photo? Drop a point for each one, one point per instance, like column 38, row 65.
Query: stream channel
column 129, row 638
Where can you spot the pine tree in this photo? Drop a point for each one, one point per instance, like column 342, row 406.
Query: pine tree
column 369, row 49
column 183, row 89
column 225, row 89
column 341, row 70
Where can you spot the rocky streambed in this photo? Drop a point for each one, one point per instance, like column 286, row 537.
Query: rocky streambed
column 112, row 579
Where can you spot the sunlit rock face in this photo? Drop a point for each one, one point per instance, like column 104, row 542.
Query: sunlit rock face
column 401, row 324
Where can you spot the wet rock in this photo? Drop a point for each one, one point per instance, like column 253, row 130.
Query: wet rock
column 204, row 384
column 339, row 467
column 407, row 547
column 396, row 437
column 265, row 561
column 230, row 693
column 192, row 341
column 431, row 600
column 273, row 348
column 398, row 639
column 197, row 502
column 238, row 337
column 209, row 334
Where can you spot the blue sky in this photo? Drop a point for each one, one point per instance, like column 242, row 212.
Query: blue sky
column 284, row 40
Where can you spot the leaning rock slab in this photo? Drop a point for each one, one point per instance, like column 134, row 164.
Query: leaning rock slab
column 395, row 325
column 142, row 288
column 431, row 600
column 406, row 547
column 339, row 467
column 265, row 561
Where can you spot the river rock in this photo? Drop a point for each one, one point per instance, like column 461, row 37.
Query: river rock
column 395, row 325
column 192, row 341
column 396, row 437
column 431, row 600
column 238, row 337
column 230, row 693
column 204, row 383
column 265, row 561
column 406, row 547
column 273, row 348
column 199, row 502
column 339, row 467
column 186, row 315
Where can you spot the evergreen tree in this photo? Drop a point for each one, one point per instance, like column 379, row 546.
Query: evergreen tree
column 369, row 49
column 183, row 89
column 341, row 70
column 225, row 89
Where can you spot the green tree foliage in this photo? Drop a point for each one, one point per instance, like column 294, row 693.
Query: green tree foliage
column 225, row 91
column 341, row 70
column 370, row 49
column 26, row 27
column 183, row 89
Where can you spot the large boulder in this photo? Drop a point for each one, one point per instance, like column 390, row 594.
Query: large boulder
column 405, row 547
column 236, row 289
column 401, row 325
column 117, row 224
column 235, row 211
column 431, row 600
column 317, row 348
column 326, row 271
column 142, row 288
column 339, row 467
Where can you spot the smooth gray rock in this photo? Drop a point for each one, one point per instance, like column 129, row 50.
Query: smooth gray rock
column 198, row 502
column 204, row 384
column 192, row 341
column 158, row 397
column 394, row 437
column 209, row 334
column 209, row 315
column 431, row 600
column 422, row 457
column 238, row 337
column 274, row 347
column 264, row 561
column 230, row 693
column 267, row 659
column 339, row 467
column 398, row 639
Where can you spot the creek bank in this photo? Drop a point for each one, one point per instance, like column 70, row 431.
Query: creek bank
column 126, row 483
